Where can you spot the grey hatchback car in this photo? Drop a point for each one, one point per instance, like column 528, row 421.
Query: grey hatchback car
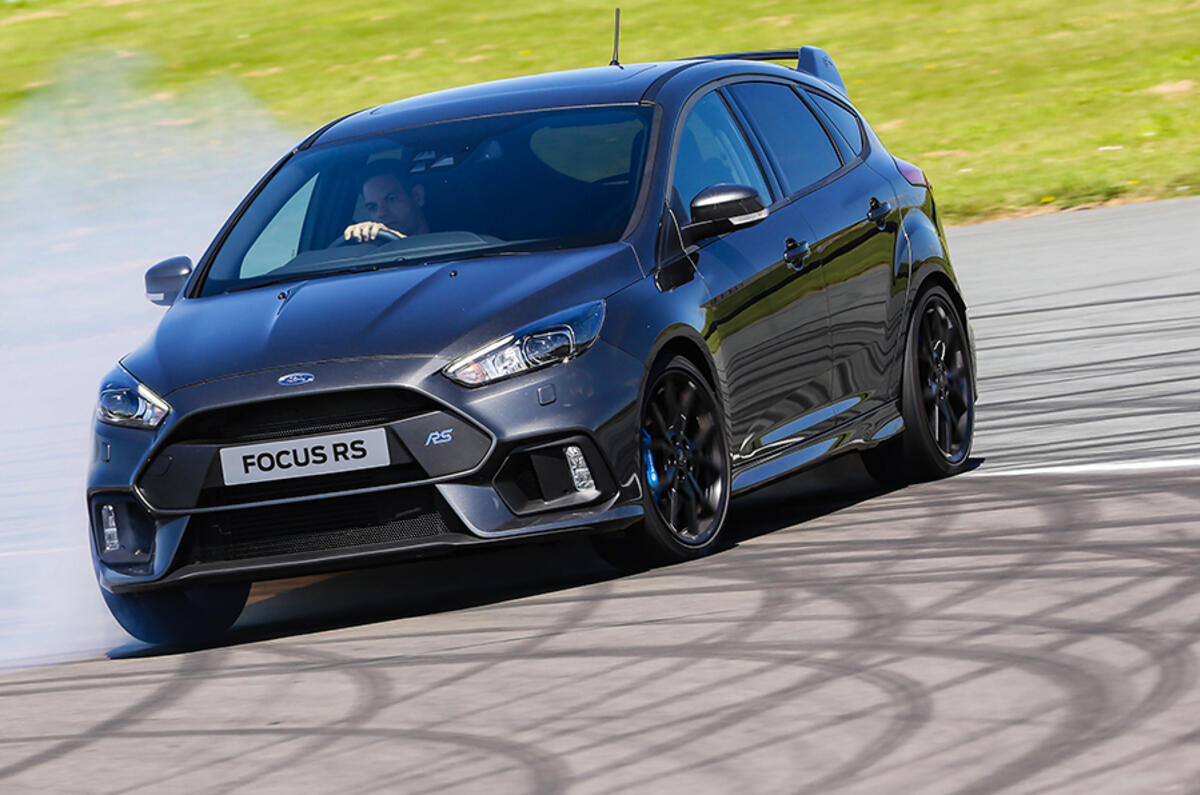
column 602, row 301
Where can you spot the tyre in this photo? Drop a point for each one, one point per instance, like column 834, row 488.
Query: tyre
column 179, row 616
column 684, row 473
column 937, row 398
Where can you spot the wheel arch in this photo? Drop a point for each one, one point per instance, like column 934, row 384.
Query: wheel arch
column 919, row 242
column 681, row 344
column 937, row 277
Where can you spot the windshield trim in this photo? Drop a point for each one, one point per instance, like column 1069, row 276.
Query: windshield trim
column 474, row 117
column 312, row 142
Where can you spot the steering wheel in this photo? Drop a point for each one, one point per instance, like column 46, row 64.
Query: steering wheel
column 382, row 236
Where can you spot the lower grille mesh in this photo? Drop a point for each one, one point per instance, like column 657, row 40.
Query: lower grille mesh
column 317, row 526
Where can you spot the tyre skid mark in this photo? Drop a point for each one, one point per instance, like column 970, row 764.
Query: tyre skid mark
column 178, row 683
column 373, row 694
column 784, row 586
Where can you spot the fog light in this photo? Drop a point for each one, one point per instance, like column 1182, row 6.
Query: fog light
column 579, row 469
column 108, row 523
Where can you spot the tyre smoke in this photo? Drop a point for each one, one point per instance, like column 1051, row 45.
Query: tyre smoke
column 99, row 180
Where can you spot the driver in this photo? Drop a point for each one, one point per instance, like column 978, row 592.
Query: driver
column 393, row 205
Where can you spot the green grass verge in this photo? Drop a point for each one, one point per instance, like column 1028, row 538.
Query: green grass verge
column 1007, row 104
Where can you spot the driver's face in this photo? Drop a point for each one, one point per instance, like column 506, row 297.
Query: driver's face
column 388, row 202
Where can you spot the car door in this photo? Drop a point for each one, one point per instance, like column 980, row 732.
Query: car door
column 848, row 206
column 866, row 304
column 766, row 320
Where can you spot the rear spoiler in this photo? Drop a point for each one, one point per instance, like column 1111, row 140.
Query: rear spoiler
column 812, row 60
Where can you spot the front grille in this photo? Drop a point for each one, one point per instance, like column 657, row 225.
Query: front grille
column 341, row 523
column 303, row 415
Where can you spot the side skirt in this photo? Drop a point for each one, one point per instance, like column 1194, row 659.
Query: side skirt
column 861, row 433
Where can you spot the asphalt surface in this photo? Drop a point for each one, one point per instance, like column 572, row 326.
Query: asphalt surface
column 1030, row 626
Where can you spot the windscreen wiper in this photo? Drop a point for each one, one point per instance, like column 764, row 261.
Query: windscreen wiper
column 300, row 276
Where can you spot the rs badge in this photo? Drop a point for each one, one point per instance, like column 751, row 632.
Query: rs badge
column 440, row 437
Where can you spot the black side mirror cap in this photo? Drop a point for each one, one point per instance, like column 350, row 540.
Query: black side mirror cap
column 722, row 208
column 166, row 279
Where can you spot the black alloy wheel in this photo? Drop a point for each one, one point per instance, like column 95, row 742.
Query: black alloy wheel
column 683, row 457
column 684, row 472
column 937, row 401
column 944, row 377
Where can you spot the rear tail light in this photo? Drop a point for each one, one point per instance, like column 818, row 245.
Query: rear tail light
column 912, row 174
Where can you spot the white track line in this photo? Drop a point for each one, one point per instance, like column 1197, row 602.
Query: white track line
column 1097, row 468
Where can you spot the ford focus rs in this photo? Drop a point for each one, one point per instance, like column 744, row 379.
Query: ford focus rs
column 600, row 301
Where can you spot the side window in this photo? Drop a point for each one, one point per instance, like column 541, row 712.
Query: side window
column 792, row 135
column 280, row 240
column 712, row 150
column 845, row 122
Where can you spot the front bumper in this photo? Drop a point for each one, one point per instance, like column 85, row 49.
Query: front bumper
column 179, row 522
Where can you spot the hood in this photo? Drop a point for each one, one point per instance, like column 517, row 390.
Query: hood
column 444, row 310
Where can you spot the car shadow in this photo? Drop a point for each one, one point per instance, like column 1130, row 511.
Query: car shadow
column 301, row 606
column 837, row 484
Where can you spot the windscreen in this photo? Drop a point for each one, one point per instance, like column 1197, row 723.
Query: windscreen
column 563, row 178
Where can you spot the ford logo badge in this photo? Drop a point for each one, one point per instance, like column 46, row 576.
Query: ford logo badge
column 295, row 379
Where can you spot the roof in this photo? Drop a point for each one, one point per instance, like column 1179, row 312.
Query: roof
column 602, row 85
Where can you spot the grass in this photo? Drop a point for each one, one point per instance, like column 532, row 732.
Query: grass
column 1007, row 104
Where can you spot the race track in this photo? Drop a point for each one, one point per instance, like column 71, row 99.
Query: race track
column 1030, row 626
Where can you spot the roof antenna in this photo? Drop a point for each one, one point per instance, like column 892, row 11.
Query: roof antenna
column 616, row 41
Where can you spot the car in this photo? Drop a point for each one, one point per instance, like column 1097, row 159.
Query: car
column 601, row 301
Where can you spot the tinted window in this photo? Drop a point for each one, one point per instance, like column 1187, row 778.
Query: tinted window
column 516, row 182
column 791, row 133
column 591, row 152
column 712, row 150
column 845, row 123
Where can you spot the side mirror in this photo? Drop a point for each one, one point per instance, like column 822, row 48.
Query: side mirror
column 722, row 208
column 166, row 279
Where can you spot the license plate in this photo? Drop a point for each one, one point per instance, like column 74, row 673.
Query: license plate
column 302, row 458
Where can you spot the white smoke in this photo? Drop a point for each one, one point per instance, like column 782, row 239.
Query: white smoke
column 98, row 181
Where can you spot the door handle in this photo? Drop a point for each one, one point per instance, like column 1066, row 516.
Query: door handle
column 879, row 212
column 795, row 253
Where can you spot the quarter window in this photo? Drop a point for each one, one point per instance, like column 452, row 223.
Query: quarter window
column 280, row 239
column 711, row 151
column 792, row 135
column 845, row 122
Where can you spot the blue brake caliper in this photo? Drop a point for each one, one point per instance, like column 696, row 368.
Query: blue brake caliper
column 648, row 461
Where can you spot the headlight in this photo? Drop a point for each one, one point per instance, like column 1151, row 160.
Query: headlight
column 549, row 341
column 125, row 402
